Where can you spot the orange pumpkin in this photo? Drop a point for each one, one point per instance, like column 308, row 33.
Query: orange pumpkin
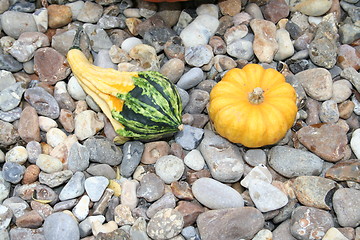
column 253, row 106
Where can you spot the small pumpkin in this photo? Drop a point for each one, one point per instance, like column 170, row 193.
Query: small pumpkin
column 139, row 105
column 253, row 106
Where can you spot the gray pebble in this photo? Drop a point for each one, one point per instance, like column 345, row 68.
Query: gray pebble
column 199, row 55
column 74, row 188
column 90, row 12
column 4, row 187
column 13, row 172
column 60, row 226
column 329, row 112
column 33, row 149
column 168, row 200
column 44, row 103
column 169, row 168
column 151, row 187
column 6, row 79
column 191, row 78
column 190, row 137
column 78, row 157
column 291, row 162
column 184, row 95
column 17, row 205
column 102, row 170
column 102, row 150
column 8, row 63
column 14, row 23
column 241, row 49
column 95, row 187
column 109, row 22
column 346, row 202
column 98, row 37
column 254, row 157
column 216, row 195
column 132, row 153
column 75, row 90
column 198, row 100
column 11, row 96
column 11, row 115
column 55, row 179
column 63, row 97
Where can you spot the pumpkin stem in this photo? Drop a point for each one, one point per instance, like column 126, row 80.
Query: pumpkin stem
column 256, row 96
column 181, row 127
column 76, row 42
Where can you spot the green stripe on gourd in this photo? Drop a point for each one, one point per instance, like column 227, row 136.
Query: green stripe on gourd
column 152, row 109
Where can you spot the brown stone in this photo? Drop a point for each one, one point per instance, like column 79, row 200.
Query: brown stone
column 348, row 57
column 182, row 190
column 8, row 134
column 50, row 65
column 66, row 119
column 345, row 171
column 190, row 211
column 154, row 150
column 177, row 150
column 218, row 45
column 192, row 176
column 151, row 22
column 31, row 174
column 131, row 24
column 346, row 108
column 59, row 15
column 275, row 10
column 29, row 129
column 328, row 141
column 30, row 219
column 230, row 7
column 43, row 209
column 174, row 48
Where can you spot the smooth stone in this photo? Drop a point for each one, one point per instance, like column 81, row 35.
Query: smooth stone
column 263, row 234
column 87, row 124
column 194, row 160
column 11, row 115
column 63, row 97
column 17, row 206
column 313, row 138
column 31, row 174
column 291, row 162
column 189, row 137
column 355, row 140
column 342, row 90
column 132, row 152
column 198, row 100
column 4, row 187
column 55, row 179
column 98, row 37
column 24, row 23
column 317, row 83
column 329, row 112
column 310, row 223
column 241, row 49
column 169, row 168
column 68, row 229
column 153, row 151
column 17, row 154
column 198, row 56
column 75, row 90
column 165, row 224
column 173, row 69
column 8, row 134
column 37, row 96
column 6, row 216
column 90, row 12
column 219, row 224
column 265, row 45
column 259, row 172
column 216, row 195
column 254, row 157
column 166, row 201
column 344, row 171
column 78, row 158
column 55, row 136
column 345, row 201
column 286, row 48
column 46, row 123
column 191, row 78
column 25, row 233
column 81, row 209
column 10, row 97
column 95, row 187
column 310, row 7
column 205, row 25
column 74, row 188
column 13, row 172
column 151, row 187
column 266, row 196
column 283, row 231
column 49, row 164
column 102, row 150
column 129, row 193
column 102, row 169
column 334, row 234
column 313, row 191
column 85, row 225
column 222, row 157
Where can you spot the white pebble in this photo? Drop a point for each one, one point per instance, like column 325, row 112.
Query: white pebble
column 209, row 9
column 169, row 168
column 46, row 123
column 75, row 90
column 81, row 210
column 259, row 172
column 49, row 164
column 194, row 160
column 17, row 154
column 129, row 43
column 55, row 136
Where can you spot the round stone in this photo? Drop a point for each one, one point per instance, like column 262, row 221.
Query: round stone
column 169, row 168
column 68, row 229
column 165, row 224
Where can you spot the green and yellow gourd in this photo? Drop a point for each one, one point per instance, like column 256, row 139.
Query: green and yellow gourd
column 140, row 105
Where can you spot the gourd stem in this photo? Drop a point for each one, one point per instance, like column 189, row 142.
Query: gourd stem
column 181, row 127
column 76, row 42
column 256, row 96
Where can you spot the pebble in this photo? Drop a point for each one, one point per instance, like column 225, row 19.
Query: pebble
column 191, row 78
column 216, row 195
column 151, row 187
column 81, row 209
column 55, row 136
column 109, row 227
column 13, row 172
column 345, row 201
column 85, row 225
column 189, row 138
column 66, row 119
column 265, row 45
column 153, row 151
column 286, row 48
column 198, row 100
column 348, row 57
column 254, row 157
column 342, row 90
column 17, row 154
column 31, row 219
column 4, row 187
column 24, row 23
column 241, row 49
column 17, row 206
column 138, row 229
column 40, row 16
column 68, row 229
column 206, row 25
column 344, row 171
column 329, row 112
column 122, row 215
column 275, row 10
column 291, row 162
column 313, row 191
column 217, row 224
column 46, row 123
column 265, row 196
column 87, row 124
column 90, row 12
column 54, row 179
column 59, row 15
column 169, row 168
column 101, row 170
column 310, row 223
column 75, row 90
column 194, row 160
column 259, row 172
column 198, row 56
column 48, row 163
column 317, row 83
column 6, row 215
column 63, row 97
column 334, row 233
column 146, row 57
column 102, row 150
column 173, row 69
column 129, row 193
column 11, row 96
column 313, row 138
column 132, row 152
column 98, row 37
column 31, row 174
column 165, row 224
column 311, row 7
column 166, row 201
column 11, row 115
column 74, row 187
column 37, row 96
column 222, row 157
column 78, row 157
column 95, row 187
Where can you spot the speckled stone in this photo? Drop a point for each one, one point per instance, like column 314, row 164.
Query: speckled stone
column 345, row 201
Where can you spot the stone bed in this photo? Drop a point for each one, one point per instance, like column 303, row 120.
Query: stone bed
column 62, row 177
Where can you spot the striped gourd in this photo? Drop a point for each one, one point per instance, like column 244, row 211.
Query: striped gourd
column 139, row 105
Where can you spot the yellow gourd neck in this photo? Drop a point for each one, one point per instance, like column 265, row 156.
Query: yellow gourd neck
column 256, row 96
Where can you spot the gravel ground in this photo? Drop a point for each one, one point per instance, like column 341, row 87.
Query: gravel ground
column 63, row 177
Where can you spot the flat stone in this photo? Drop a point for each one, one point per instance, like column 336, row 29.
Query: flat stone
column 218, row 224
column 31, row 219
column 313, row 138
column 95, row 187
column 132, row 152
column 345, row 171
column 310, row 7
column 74, row 188
column 154, row 150
column 37, row 96
column 216, row 195
column 68, row 229
column 29, row 129
column 151, row 187
column 55, row 179
column 345, row 201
